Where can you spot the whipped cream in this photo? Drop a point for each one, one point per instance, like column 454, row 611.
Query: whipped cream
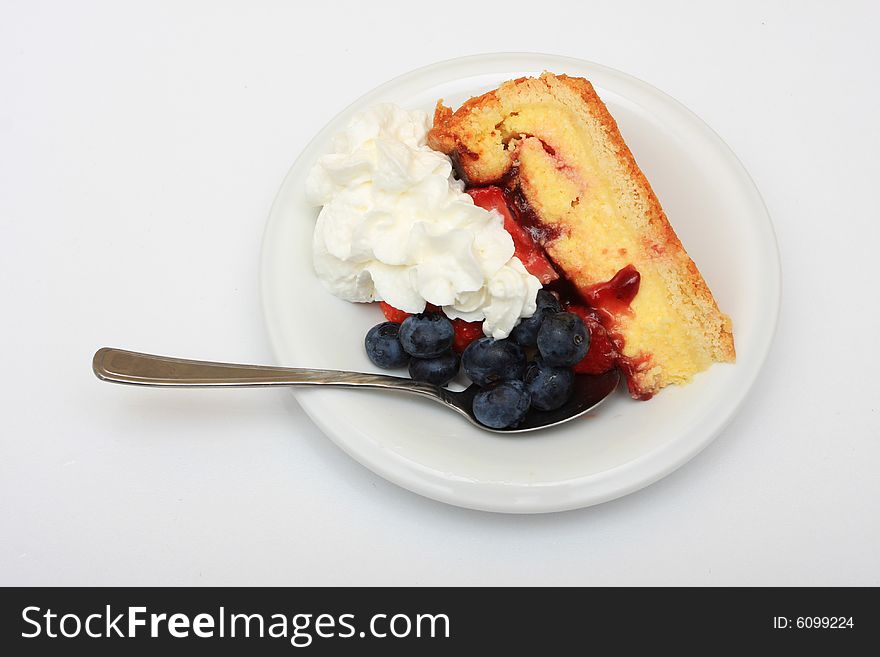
column 395, row 226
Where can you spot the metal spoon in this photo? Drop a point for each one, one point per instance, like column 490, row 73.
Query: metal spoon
column 119, row 366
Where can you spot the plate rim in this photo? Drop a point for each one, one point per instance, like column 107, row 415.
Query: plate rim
column 620, row 480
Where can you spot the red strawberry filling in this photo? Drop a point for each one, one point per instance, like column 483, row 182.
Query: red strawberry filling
column 524, row 247
column 614, row 296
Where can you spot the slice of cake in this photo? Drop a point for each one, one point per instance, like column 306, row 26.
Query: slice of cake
column 576, row 188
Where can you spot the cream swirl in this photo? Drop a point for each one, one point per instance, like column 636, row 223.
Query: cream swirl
column 396, row 226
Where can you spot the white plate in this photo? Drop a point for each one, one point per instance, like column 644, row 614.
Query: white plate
column 624, row 445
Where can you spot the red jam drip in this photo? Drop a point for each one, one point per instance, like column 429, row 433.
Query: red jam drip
column 614, row 297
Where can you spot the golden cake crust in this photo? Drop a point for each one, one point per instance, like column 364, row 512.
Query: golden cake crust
column 556, row 135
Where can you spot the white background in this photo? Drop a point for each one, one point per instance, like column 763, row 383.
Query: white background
column 141, row 145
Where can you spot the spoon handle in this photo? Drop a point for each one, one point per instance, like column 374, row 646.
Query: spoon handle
column 120, row 366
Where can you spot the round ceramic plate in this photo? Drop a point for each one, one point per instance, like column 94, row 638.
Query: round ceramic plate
column 623, row 445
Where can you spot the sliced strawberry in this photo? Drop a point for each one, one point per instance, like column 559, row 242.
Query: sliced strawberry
column 602, row 355
column 531, row 255
column 392, row 314
column 465, row 333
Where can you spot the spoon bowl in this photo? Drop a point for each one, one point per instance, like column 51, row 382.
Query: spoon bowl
column 133, row 368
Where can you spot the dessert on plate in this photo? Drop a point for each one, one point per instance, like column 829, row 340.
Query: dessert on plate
column 516, row 239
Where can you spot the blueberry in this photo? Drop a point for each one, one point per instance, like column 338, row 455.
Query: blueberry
column 547, row 301
column 438, row 370
column 502, row 405
column 426, row 335
column 525, row 334
column 383, row 346
column 549, row 386
column 487, row 361
column 563, row 340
